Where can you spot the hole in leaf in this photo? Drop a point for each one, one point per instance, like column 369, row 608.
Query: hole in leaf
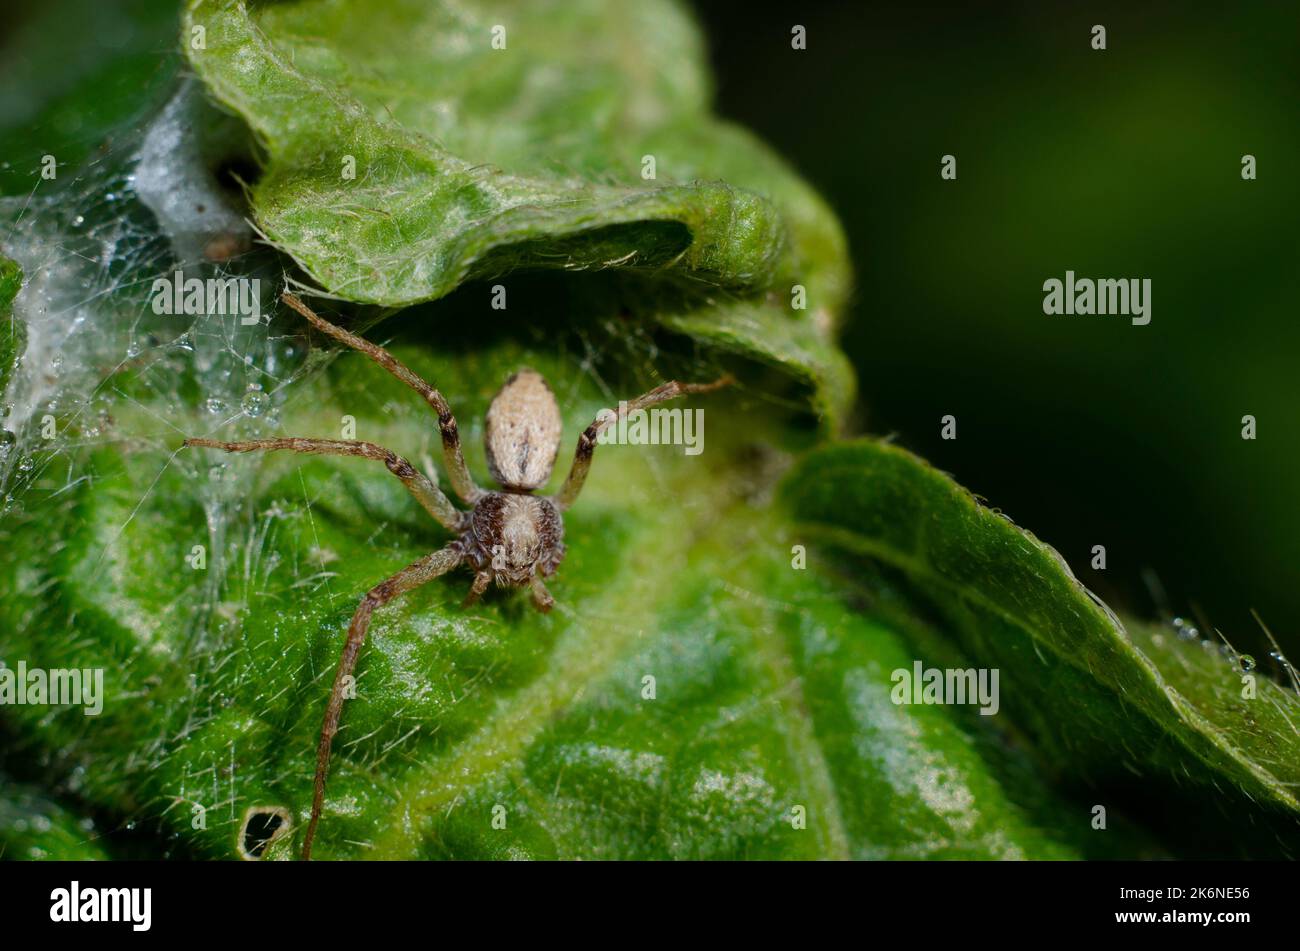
column 262, row 825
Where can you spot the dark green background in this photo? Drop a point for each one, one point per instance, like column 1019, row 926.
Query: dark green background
column 1122, row 163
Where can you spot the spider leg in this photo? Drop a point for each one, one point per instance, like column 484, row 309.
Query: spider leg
column 457, row 471
column 481, row 580
column 425, row 492
column 587, row 441
column 541, row 597
column 412, row 576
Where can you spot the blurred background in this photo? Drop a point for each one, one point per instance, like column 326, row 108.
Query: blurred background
column 1120, row 163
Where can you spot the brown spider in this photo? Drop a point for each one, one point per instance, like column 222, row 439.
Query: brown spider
column 509, row 536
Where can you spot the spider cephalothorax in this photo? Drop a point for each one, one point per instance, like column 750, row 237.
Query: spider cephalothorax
column 513, row 538
column 509, row 536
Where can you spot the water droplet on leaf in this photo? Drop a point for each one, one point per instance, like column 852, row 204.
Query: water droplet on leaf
column 255, row 402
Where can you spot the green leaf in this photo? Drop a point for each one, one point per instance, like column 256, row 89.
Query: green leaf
column 1099, row 697
column 33, row 826
column 770, row 684
column 405, row 155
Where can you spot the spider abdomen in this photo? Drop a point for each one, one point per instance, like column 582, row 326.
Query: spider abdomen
column 522, row 432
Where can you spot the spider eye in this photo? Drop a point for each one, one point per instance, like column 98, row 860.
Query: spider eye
column 523, row 431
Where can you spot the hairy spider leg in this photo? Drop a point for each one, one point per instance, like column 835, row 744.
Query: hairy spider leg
column 415, row 574
column 433, row 501
column 587, row 441
column 426, row 493
column 412, row 576
column 541, row 597
column 457, row 471
column 481, row 580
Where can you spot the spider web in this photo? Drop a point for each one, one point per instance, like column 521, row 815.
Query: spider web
column 98, row 368
column 90, row 249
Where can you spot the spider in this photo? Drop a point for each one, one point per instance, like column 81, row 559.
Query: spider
column 509, row 535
